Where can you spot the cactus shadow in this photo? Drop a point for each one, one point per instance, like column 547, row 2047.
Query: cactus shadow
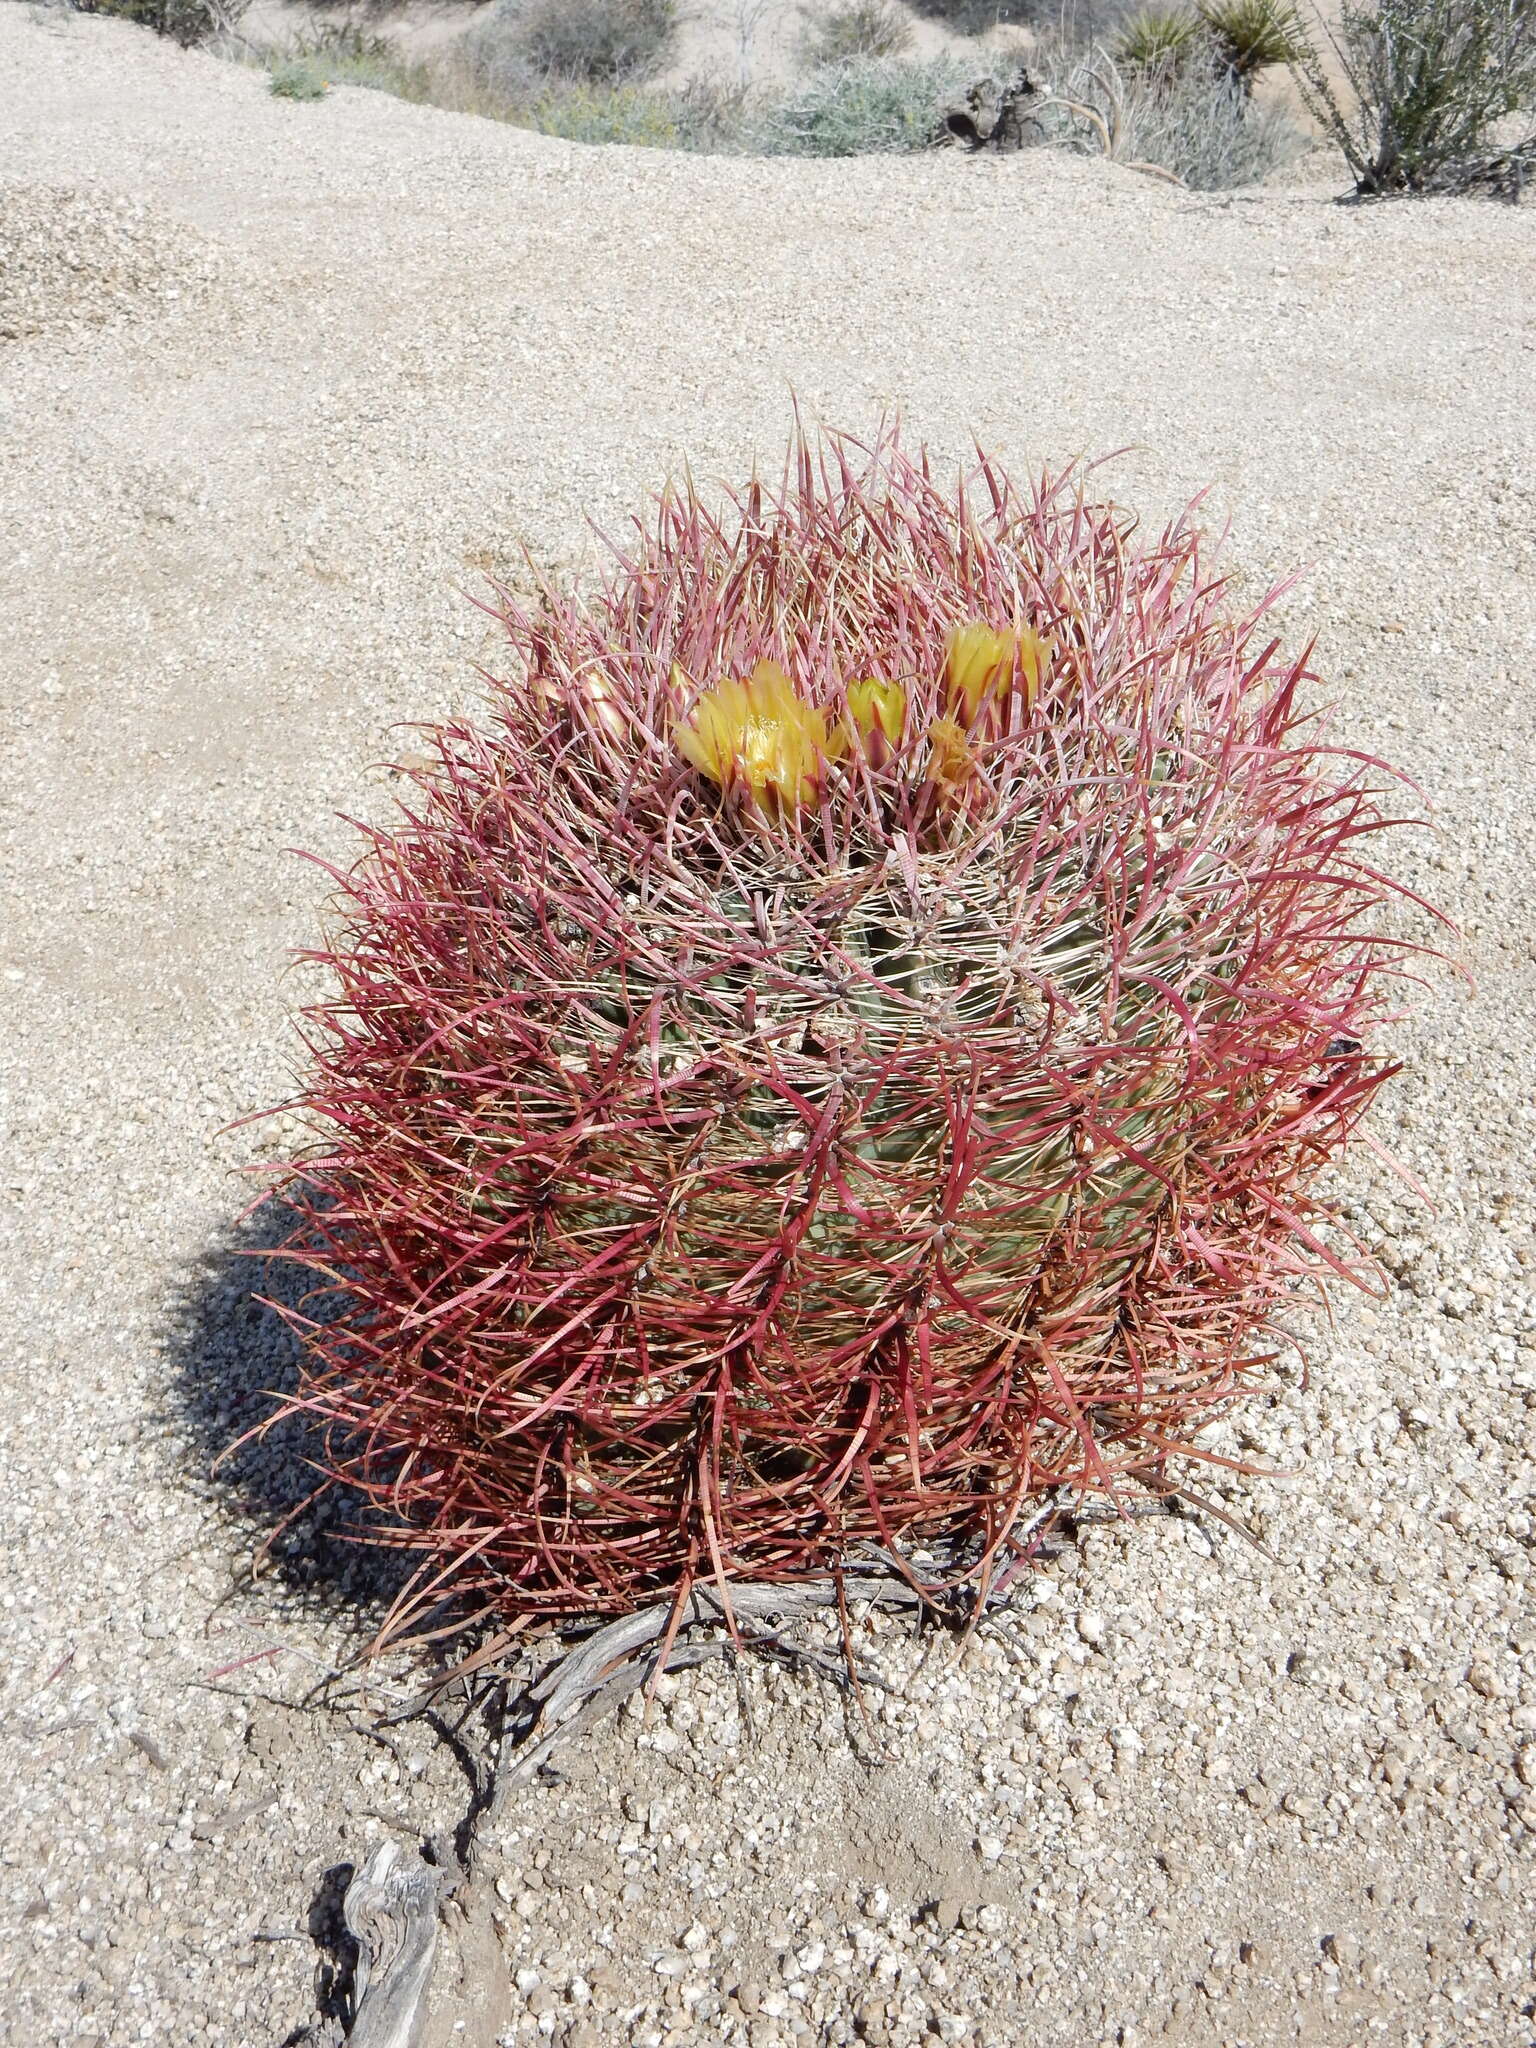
column 231, row 1359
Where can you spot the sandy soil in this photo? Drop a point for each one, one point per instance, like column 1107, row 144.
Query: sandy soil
column 285, row 382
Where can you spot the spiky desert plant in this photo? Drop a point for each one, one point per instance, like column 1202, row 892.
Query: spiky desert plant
column 1253, row 35
column 1236, row 38
column 1156, row 38
column 841, row 1051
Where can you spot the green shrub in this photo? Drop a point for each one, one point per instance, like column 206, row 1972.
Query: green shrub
column 711, row 117
column 1429, row 83
column 599, row 42
column 598, row 113
column 297, row 79
column 700, row 116
column 348, row 55
column 859, row 28
column 185, row 21
column 864, row 106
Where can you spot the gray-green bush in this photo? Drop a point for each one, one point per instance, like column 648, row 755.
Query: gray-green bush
column 858, row 28
column 185, row 21
column 974, row 17
column 1203, row 126
column 1189, row 117
column 599, row 42
column 865, row 106
column 697, row 116
column 1428, row 84
column 299, row 78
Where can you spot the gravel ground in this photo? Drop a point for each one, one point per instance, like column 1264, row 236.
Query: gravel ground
column 71, row 259
column 1184, row 1790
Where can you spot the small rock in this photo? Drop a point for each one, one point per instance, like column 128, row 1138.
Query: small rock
column 872, row 2022
column 147, row 1746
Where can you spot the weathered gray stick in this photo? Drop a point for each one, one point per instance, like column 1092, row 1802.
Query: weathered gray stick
column 391, row 1912
column 392, row 1904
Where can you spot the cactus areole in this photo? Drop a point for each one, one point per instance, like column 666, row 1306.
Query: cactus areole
column 840, row 1052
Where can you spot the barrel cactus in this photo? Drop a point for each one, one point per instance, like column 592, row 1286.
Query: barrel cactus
column 839, row 1053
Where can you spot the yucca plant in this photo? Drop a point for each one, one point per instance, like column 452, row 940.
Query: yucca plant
column 1254, row 35
column 840, row 1053
column 1235, row 38
column 1156, row 39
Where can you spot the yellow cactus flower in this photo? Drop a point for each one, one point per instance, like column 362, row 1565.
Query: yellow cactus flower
column 981, row 661
column 949, row 761
column 875, row 706
column 760, row 733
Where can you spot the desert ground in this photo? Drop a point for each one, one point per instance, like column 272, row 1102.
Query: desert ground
column 279, row 385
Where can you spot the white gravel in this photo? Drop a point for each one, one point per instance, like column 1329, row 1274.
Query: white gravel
column 1186, row 1791
column 72, row 258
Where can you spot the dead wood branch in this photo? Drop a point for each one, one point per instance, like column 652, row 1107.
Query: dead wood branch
column 391, row 1911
